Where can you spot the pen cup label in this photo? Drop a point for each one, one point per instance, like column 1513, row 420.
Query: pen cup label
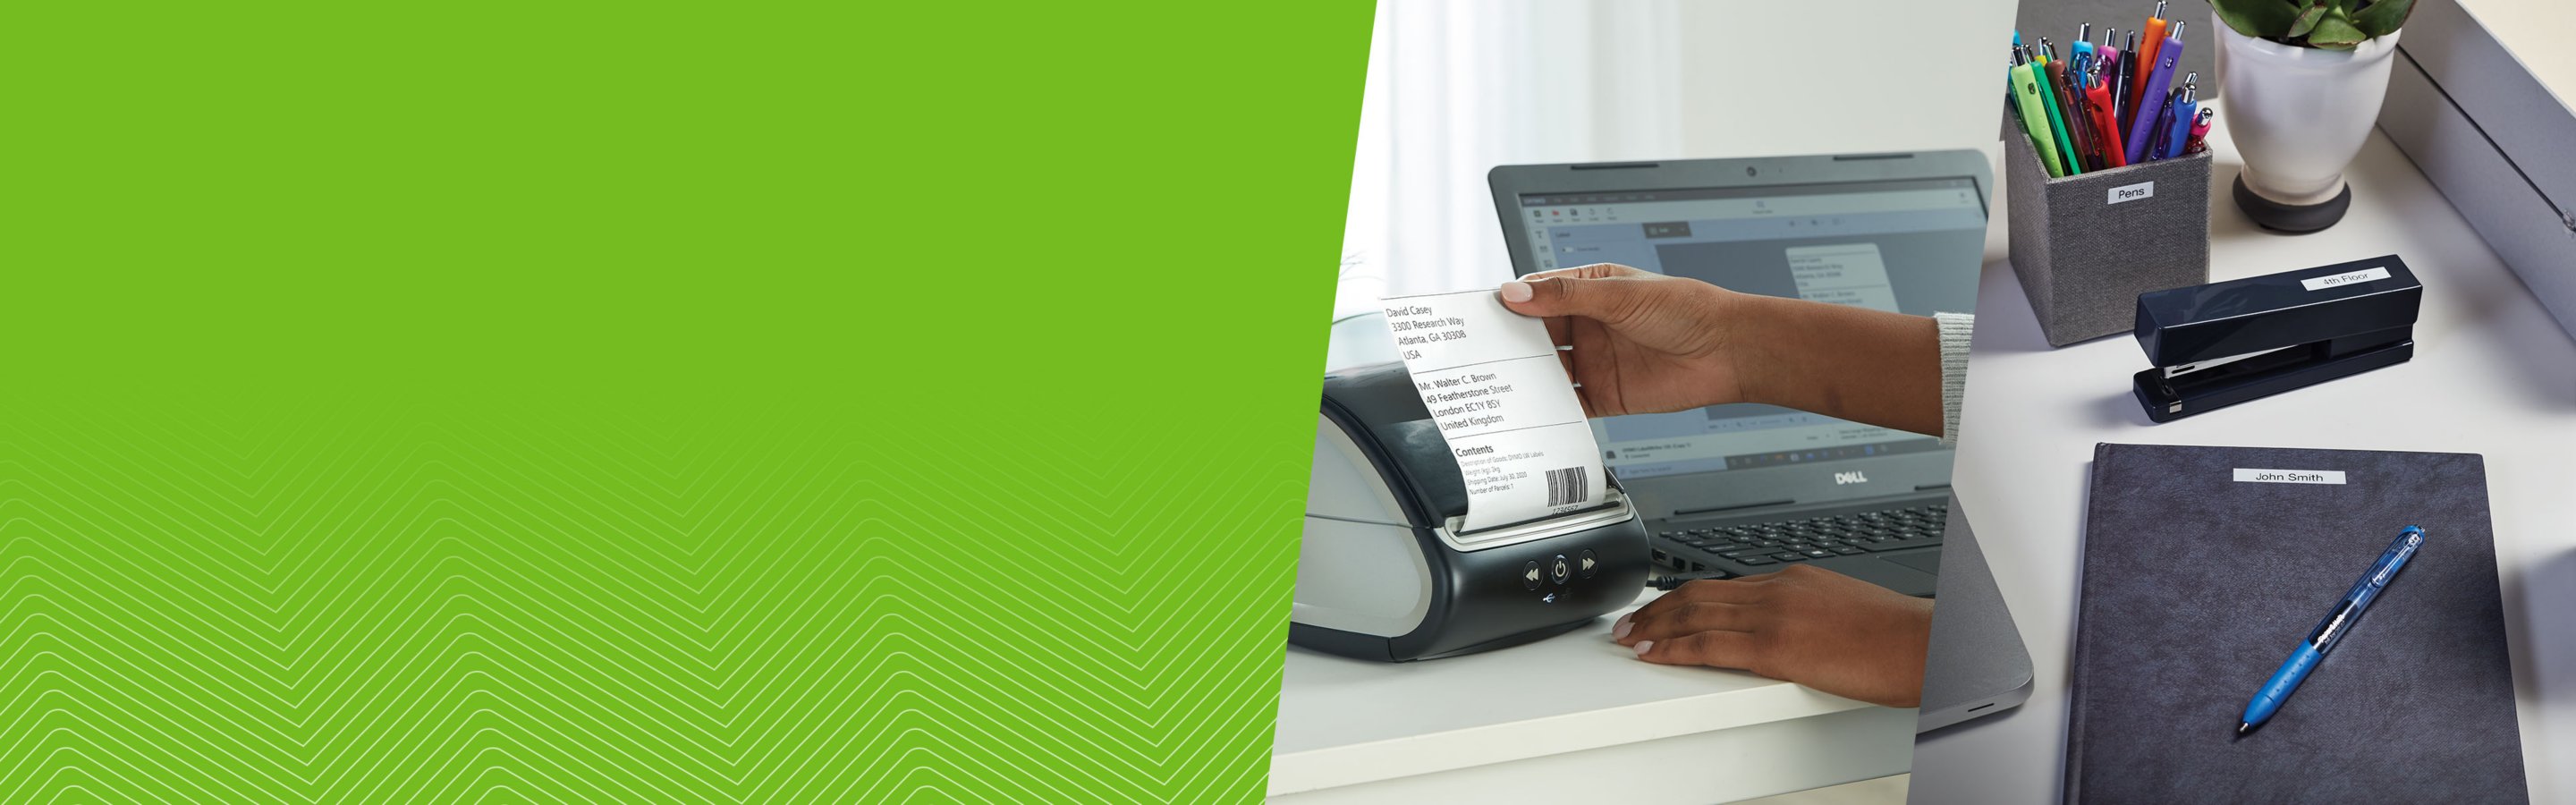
column 2246, row 476
column 2132, row 192
column 2346, row 278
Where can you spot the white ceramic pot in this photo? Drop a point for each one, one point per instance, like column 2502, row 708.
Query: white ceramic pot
column 2299, row 115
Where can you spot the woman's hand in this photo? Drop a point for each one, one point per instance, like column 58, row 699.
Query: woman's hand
column 1643, row 342
column 1815, row 627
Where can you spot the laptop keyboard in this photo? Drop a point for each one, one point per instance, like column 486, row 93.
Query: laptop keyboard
column 1762, row 547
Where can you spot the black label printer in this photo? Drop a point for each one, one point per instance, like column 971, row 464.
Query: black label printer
column 1384, row 571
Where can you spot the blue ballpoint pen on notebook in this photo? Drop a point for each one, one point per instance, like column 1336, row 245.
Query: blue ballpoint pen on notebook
column 2330, row 631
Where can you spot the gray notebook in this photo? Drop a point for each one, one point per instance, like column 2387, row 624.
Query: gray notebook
column 2205, row 566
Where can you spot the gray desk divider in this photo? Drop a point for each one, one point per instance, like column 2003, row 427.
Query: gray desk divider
column 2085, row 246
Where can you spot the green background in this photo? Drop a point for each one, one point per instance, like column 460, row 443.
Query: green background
column 507, row 402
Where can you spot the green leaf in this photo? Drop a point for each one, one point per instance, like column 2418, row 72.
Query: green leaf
column 2336, row 32
column 2307, row 20
column 2383, row 17
column 2258, row 18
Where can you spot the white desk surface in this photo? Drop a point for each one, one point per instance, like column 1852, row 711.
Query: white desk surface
column 2492, row 374
column 1567, row 714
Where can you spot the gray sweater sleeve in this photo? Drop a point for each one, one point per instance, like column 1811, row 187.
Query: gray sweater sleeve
column 1955, row 328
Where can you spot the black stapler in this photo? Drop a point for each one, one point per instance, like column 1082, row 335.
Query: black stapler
column 2224, row 343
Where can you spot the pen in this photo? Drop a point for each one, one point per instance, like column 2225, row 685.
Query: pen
column 2149, row 42
column 2082, row 50
column 2070, row 117
column 2105, row 124
column 2199, row 133
column 2122, row 101
column 2034, row 117
column 2106, row 62
column 2048, row 101
column 2183, row 115
column 2330, row 631
column 2164, row 53
column 2157, row 125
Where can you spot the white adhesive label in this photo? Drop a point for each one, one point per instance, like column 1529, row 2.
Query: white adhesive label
column 1844, row 274
column 2346, row 278
column 1500, row 397
column 2246, row 476
column 2132, row 192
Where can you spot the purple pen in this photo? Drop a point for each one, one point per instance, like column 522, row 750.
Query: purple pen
column 2142, row 132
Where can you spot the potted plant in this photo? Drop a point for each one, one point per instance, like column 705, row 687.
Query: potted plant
column 2303, row 81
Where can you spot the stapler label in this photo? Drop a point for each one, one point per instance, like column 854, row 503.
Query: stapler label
column 1496, row 390
column 2132, row 192
column 2247, row 476
column 2345, row 278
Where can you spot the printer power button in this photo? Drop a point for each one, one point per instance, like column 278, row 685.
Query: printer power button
column 1560, row 570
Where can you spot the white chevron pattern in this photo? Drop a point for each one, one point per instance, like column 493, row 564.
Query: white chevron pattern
column 426, row 606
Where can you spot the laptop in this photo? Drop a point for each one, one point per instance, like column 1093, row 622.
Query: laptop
column 1740, row 489
column 1977, row 665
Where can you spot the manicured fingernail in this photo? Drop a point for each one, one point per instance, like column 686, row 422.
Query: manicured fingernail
column 1643, row 646
column 1621, row 628
column 1516, row 291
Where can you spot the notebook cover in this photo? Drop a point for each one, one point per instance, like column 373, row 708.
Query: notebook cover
column 2196, row 586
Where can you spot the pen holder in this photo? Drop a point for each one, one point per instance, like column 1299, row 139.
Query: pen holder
column 2085, row 246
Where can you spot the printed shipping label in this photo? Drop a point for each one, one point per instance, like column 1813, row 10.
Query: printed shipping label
column 1500, row 397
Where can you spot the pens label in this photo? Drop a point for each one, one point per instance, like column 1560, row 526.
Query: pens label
column 2246, row 476
column 2132, row 192
column 2346, row 278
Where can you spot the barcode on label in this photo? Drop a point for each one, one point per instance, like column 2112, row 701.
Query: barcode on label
column 1566, row 487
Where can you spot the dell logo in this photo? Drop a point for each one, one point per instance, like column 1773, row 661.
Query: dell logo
column 1853, row 477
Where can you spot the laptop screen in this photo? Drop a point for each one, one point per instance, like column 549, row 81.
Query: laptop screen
column 1908, row 246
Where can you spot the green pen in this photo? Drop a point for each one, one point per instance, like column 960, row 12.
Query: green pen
column 2056, row 123
column 2034, row 118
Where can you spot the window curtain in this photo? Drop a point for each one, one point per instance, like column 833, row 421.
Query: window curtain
column 1456, row 88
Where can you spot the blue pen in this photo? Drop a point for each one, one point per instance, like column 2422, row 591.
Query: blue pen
column 2330, row 631
column 2180, row 135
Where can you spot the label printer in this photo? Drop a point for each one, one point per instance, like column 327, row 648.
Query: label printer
column 1385, row 571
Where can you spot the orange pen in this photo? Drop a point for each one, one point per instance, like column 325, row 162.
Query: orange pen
column 2148, row 41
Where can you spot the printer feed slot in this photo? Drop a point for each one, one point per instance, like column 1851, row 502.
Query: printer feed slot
column 1613, row 508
